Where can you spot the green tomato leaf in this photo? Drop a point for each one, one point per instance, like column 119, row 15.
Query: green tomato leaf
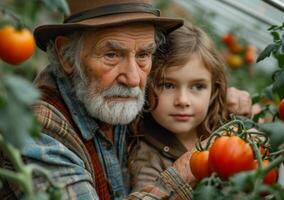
column 243, row 181
column 272, row 27
column 280, row 59
column 21, row 89
column 267, row 52
column 278, row 85
column 275, row 35
column 282, row 48
column 206, row 192
column 57, row 5
column 275, row 132
column 16, row 122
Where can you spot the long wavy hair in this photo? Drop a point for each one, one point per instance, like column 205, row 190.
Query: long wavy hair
column 180, row 45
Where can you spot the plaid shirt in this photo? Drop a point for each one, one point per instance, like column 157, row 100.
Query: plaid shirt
column 63, row 152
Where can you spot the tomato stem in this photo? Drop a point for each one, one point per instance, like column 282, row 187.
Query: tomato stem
column 18, row 24
column 256, row 153
column 277, row 152
column 24, row 176
column 226, row 127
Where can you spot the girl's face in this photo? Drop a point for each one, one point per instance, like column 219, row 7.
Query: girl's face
column 183, row 98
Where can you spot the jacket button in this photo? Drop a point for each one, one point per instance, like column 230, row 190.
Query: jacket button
column 166, row 148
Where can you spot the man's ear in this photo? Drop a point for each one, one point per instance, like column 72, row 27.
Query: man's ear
column 60, row 42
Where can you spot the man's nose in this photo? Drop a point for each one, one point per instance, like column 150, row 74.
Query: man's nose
column 182, row 98
column 129, row 72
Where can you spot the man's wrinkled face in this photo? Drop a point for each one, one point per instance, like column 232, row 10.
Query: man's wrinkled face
column 115, row 63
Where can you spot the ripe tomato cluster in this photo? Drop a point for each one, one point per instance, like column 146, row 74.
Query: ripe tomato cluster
column 238, row 54
column 16, row 46
column 226, row 156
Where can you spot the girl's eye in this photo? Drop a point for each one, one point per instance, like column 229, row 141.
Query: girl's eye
column 167, row 86
column 198, row 87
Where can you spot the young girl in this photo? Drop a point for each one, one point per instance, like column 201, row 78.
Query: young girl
column 186, row 98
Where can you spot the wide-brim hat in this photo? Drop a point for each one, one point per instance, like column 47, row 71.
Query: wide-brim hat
column 89, row 14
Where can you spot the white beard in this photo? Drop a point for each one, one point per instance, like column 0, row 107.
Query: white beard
column 107, row 111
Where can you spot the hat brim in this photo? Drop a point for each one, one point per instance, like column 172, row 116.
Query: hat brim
column 43, row 34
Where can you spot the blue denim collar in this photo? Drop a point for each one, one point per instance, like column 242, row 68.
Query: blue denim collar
column 86, row 124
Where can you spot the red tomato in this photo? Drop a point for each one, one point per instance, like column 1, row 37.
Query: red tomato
column 281, row 109
column 199, row 164
column 229, row 155
column 229, row 39
column 263, row 151
column 271, row 176
column 16, row 46
column 250, row 56
column 236, row 48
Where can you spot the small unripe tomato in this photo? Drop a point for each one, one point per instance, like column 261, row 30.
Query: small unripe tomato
column 16, row 46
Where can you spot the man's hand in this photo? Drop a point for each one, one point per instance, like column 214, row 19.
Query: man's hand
column 183, row 167
column 239, row 102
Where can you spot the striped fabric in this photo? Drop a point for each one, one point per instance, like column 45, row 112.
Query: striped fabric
column 101, row 182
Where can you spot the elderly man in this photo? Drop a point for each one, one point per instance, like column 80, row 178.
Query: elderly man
column 100, row 58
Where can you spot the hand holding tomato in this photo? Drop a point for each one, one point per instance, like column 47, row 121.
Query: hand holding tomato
column 16, row 46
column 182, row 165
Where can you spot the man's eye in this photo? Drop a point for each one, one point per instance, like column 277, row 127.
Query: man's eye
column 166, row 86
column 111, row 55
column 144, row 55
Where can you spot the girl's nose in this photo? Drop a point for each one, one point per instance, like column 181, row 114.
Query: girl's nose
column 182, row 99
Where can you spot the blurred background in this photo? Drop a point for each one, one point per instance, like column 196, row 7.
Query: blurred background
column 239, row 29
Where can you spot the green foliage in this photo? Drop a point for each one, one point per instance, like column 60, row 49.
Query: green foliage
column 275, row 132
column 245, row 185
column 17, row 95
column 57, row 5
column 16, row 118
column 278, row 84
column 276, row 49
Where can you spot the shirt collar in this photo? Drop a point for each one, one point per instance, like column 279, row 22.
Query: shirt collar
column 86, row 124
column 161, row 138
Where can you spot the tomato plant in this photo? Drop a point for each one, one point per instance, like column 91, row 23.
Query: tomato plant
column 199, row 164
column 281, row 109
column 16, row 46
column 271, row 177
column 229, row 155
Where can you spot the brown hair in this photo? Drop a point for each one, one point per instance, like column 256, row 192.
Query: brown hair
column 180, row 45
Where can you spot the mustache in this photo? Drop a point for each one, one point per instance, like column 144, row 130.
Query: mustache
column 123, row 91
